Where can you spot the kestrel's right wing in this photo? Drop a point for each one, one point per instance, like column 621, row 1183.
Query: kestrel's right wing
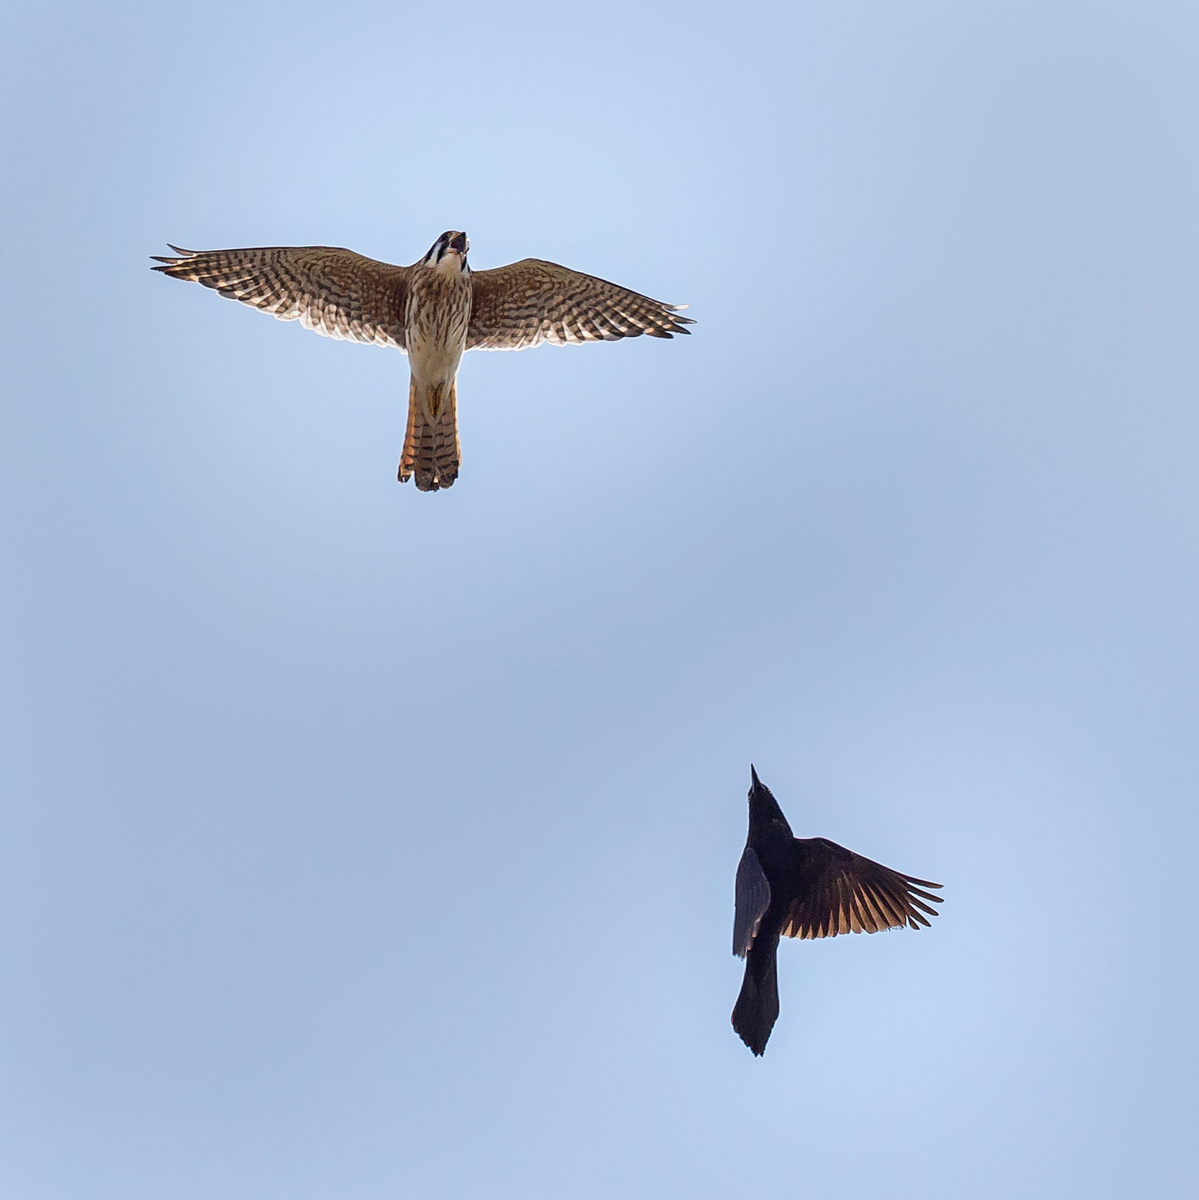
column 846, row 893
column 753, row 899
column 533, row 301
column 331, row 291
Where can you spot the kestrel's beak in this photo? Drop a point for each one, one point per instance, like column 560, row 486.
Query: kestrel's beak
column 460, row 243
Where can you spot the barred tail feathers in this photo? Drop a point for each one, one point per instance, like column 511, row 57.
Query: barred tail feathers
column 431, row 450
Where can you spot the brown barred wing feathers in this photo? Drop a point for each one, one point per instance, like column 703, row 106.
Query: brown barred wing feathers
column 534, row 301
column 334, row 292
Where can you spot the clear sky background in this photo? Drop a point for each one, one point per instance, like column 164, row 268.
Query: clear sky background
column 360, row 843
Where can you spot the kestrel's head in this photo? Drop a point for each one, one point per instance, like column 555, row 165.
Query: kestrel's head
column 448, row 252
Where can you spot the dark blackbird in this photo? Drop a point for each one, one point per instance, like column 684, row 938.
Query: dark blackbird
column 805, row 888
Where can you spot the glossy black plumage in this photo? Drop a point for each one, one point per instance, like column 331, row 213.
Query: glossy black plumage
column 806, row 888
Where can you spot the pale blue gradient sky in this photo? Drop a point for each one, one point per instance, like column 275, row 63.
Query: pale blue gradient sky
column 291, row 753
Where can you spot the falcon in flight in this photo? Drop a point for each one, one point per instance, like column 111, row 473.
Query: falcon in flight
column 805, row 888
column 433, row 311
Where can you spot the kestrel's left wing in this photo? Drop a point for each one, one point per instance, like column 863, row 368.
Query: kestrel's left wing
column 333, row 292
column 846, row 893
column 533, row 301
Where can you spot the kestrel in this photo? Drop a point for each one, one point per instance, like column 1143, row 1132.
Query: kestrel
column 433, row 311
column 805, row 888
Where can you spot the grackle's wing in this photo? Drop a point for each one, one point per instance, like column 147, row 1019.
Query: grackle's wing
column 753, row 899
column 842, row 892
column 331, row 291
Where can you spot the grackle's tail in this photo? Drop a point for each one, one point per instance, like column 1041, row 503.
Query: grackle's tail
column 757, row 1006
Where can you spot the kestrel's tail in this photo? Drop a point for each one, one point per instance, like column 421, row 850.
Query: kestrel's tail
column 431, row 450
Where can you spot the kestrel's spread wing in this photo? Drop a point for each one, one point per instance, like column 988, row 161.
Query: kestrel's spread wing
column 331, row 291
column 852, row 894
column 533, row 301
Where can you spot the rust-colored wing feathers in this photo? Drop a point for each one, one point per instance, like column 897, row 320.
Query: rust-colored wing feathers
column 331, row 291
column 533, row 301
column 852, row 894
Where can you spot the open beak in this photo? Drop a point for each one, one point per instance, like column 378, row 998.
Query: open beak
column 460, row 243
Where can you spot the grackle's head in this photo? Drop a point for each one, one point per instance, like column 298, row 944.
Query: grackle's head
column 763, row 807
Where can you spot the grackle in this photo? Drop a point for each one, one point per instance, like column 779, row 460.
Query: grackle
column 805, row 888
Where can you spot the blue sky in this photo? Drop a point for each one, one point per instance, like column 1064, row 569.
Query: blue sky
column 365, row 843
